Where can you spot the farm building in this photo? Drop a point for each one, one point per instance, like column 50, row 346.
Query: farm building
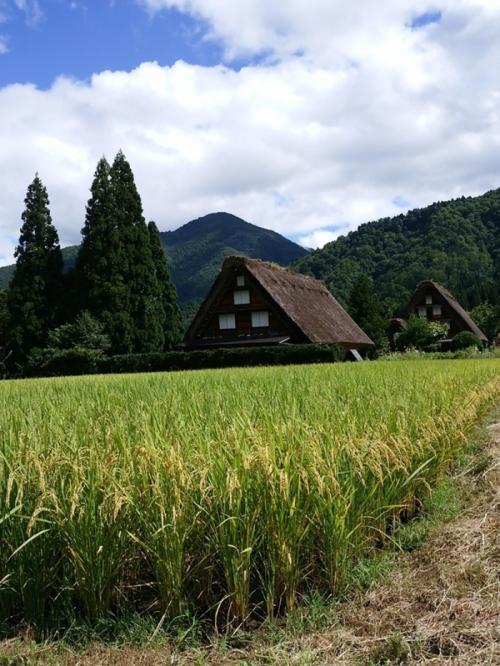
column 256, row 303
column 436, row 303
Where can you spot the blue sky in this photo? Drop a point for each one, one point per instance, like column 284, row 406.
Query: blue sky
column 80, row 38
column 254, row 107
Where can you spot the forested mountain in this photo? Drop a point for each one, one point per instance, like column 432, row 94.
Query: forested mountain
column 196, row 250
column 455, row 243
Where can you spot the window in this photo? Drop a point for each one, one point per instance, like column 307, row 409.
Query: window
column 240, row 281
column 227, row 322
column 422, row 311
column 242, row 297
column 436, row 310
column 260, row 319
column 428, row 299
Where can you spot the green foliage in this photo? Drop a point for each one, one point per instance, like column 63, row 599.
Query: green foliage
column 101, row 264
column 366, row 310
column 172, row 317
column 137, row 265
column 420, row 334
column 4, row 329
column 71, row 348
column 115, row 270
column 455, row 243
column 4, row 319
column 487, row 317
column 85, row 332
column 465, row 340
column 80, row 363
column 34, row 295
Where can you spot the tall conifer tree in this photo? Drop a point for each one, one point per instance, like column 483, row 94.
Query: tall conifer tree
column 102, row 264
column 35, row 290
column 366, row 310
column 172, row 322
column 146, row 308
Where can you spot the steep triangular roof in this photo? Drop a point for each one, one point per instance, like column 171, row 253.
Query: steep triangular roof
column 469, row 323
column 302, row 299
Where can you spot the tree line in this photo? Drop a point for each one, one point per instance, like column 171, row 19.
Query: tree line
column 118, row 298
column 455, row 243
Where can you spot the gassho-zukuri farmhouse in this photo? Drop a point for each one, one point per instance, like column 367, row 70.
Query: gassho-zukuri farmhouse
column 253, row 302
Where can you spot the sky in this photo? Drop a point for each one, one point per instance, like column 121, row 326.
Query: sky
column 308, row 117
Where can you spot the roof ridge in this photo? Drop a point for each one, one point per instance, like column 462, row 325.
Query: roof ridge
column 274, row 266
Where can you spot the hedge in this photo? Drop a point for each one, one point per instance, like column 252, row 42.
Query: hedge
column 84, row 362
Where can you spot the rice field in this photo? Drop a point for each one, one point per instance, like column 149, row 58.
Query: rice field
column 224, row 495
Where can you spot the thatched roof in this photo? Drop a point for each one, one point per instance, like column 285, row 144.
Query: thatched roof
column 469, row 323
column 304, row 300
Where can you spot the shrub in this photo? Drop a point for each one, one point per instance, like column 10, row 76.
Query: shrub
column 80, row 361
column 420, row 334
column 58, row 362
column 464, row 340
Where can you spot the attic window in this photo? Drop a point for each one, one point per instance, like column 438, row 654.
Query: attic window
column 227, row 322
column 428, row 299
column 436, row 309
column 240, row 281
column 242, row 297
column 260, row 319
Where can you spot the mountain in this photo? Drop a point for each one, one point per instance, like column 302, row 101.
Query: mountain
column 196, row 250
column 455, row 243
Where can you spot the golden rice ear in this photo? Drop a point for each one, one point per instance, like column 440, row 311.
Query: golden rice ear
column 223, row 494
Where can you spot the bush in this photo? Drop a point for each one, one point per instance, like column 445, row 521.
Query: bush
column 420, row 334
column 76, row 361
column 85, row 361
column 464, row 340
column 72, row 349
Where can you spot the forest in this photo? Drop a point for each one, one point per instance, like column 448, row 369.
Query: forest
column 455, row 243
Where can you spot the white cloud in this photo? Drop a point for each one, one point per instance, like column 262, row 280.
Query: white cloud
column 317, row 238
column 32, row 11
column 371, row 117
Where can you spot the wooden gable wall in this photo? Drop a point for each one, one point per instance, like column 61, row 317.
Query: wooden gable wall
column 224, row 303
column 447, row 315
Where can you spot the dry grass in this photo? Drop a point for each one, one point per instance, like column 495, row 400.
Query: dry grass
column 440, row 604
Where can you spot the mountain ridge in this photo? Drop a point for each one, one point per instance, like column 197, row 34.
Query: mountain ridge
column 195, row 252
column 455, row 243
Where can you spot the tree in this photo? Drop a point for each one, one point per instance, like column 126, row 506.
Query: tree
column 172, row 322
column 102, row 264
column 4, row 327
column 487, row 317
column 366, row 310
column 146, row 310
column 35, row 290
column 4, row 319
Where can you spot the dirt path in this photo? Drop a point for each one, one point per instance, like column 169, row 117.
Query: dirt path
column 440, row 605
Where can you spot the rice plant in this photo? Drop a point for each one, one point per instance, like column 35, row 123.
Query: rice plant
column 225, row 495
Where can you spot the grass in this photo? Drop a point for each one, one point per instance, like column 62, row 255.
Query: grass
column 217, row 498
